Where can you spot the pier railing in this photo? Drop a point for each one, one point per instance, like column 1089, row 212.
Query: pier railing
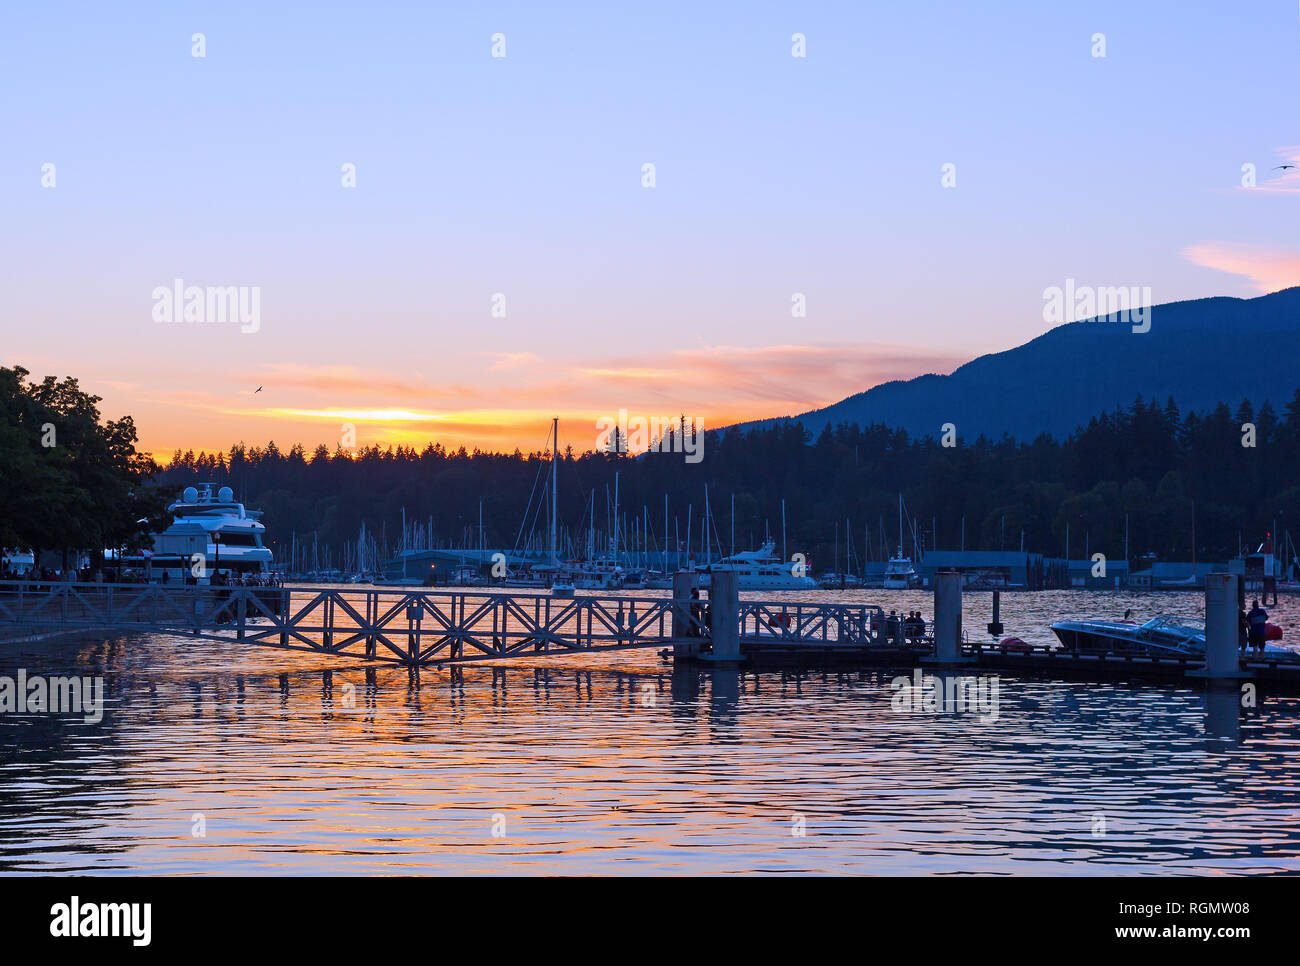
column 833, row 625
column 423, row 626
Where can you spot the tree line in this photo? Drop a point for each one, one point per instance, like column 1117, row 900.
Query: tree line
column 1146, row 472
column 70, row 480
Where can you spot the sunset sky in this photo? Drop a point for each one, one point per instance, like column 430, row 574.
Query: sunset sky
column 522, row 175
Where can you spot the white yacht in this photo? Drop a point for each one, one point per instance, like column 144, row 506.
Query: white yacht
column 760, row 569
column 209, row 521
column 899, row 574
column 599, row 574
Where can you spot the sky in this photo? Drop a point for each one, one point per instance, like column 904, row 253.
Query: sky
column 501, row 258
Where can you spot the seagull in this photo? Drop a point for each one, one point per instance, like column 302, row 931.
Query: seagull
column 1283, row 167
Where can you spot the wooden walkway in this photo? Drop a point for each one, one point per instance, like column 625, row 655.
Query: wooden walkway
column 422, row 627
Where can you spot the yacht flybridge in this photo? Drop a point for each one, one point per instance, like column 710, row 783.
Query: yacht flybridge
column 208, row 521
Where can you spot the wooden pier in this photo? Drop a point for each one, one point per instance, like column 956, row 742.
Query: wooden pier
column 421, row 627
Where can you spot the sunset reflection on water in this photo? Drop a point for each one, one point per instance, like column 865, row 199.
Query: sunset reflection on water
column 290, row 763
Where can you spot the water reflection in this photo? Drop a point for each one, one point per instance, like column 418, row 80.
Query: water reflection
column 623, row 762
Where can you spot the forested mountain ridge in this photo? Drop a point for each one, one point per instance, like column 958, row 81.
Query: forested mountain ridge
column 1197, row 353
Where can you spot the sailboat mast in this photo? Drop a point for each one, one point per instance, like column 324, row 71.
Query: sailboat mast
column 900, row 524
column 704, row 528
column 784, row 556
column 555, row 445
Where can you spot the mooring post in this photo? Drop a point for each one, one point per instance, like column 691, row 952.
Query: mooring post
column 947, row 619
column 414, row 614
column 372, row 611
column 995, row 625
column 1222, row 659
column 241, row 609
column 685, row 584
column 724, row 616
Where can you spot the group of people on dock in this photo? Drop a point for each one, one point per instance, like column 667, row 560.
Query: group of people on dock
column 1252, row 627
column 229, row 578
column 220, row 578
column 912, row 625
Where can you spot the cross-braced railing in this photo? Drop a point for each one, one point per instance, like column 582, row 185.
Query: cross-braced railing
column 428, row 626
column 431, row 627
column 833, row 625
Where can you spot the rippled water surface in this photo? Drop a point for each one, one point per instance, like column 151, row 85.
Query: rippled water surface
column 616, row 764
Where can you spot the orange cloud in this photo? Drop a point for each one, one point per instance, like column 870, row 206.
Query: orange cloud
column 1268, row 269
column 795, row 375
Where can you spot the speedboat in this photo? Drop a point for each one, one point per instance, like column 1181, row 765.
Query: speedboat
column 1162, row 636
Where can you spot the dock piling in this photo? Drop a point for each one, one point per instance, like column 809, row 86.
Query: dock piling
column 1222, row 656
column 685, row 584
column 947, row 619
column 724, row 611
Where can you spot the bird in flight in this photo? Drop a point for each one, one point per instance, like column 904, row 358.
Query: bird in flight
column 257, row 390
column 1283, row 167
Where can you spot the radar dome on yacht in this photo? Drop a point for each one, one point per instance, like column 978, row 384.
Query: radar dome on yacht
column 225, row 494
column 190, row 495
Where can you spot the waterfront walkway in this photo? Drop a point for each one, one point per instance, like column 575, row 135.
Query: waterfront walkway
column 431, row 626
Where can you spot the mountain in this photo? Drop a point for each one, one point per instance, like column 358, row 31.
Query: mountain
column 1200, row 353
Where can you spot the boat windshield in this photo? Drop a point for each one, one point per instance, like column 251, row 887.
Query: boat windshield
column 1176, row 625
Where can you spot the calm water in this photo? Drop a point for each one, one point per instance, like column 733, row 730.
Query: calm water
column 614, row 764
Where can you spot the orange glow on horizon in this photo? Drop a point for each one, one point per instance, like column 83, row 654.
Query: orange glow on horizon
column 495, row 402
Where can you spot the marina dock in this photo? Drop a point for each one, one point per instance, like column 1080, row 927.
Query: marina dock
column 711, row 626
